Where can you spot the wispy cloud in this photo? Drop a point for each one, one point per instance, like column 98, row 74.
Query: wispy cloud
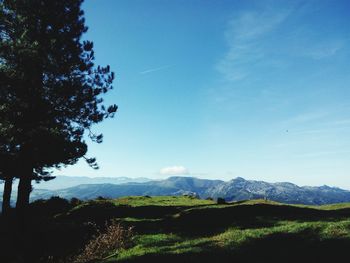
column 174, row 170
column 307, row 117
column 309, row 123
column 251, row 25
column 322, row 153
column 151, row 70
column 340, row 122
column 323, row 50
column 321, row 120
column 266, row 36
column 243, row 37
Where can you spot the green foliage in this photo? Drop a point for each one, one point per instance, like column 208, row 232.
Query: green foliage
column 50, row 87
column 51, row 91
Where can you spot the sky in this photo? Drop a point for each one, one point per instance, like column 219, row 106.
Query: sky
column 221, row 89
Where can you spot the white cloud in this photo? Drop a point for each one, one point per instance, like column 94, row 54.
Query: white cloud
column 174, row 170
column 243, row 38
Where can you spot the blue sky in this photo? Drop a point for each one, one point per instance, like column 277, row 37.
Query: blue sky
column 220, row 89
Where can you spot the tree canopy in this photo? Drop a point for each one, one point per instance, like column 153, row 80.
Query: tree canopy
column 51, row 91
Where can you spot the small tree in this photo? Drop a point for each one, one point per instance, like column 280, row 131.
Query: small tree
column 50, row 89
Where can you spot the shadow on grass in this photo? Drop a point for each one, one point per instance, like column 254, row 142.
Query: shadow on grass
column 213, row 220
column 197, row 220
column 302, row 247
column 97, row 211
column 56, row 231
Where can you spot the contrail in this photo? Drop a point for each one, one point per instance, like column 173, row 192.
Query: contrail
column 155, row 69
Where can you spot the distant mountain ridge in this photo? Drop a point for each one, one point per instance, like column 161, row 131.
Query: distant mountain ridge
column 62, row 181
column 171, row 186
column 234, row 190
column 50, row 188
column 241, row 189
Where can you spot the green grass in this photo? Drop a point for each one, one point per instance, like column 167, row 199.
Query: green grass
column 326, row 207
column 185, row 229
column 232, row 239
column 233, row 231
column 334, row 206
column 160, row 201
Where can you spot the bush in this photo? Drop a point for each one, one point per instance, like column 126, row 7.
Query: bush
column 75, row 201
column 54, row 205
column 191, row 195
column 101, row 198
column 220, row 201
column 114, row 238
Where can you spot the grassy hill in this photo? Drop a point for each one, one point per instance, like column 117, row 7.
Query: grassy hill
column 186, row 229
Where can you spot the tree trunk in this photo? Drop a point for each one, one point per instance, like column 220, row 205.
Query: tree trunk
column 24, row 189
column 6, row 205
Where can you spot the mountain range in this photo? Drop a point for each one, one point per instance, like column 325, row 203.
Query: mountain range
column 62, row 181
column 234, row 190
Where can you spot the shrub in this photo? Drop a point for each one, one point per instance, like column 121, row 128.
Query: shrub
column 114, row 238
column 220, row 201
column 54, row 205
column 191, row 195
column 209, row 199
column 75, row 201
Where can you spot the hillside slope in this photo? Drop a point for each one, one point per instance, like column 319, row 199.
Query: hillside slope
column 180, row 229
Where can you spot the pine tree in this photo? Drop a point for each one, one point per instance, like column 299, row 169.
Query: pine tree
column 51, row 91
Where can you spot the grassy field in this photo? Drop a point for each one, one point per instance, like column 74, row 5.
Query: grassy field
column 184, row 201
column 250, row 231
column 186, row 229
